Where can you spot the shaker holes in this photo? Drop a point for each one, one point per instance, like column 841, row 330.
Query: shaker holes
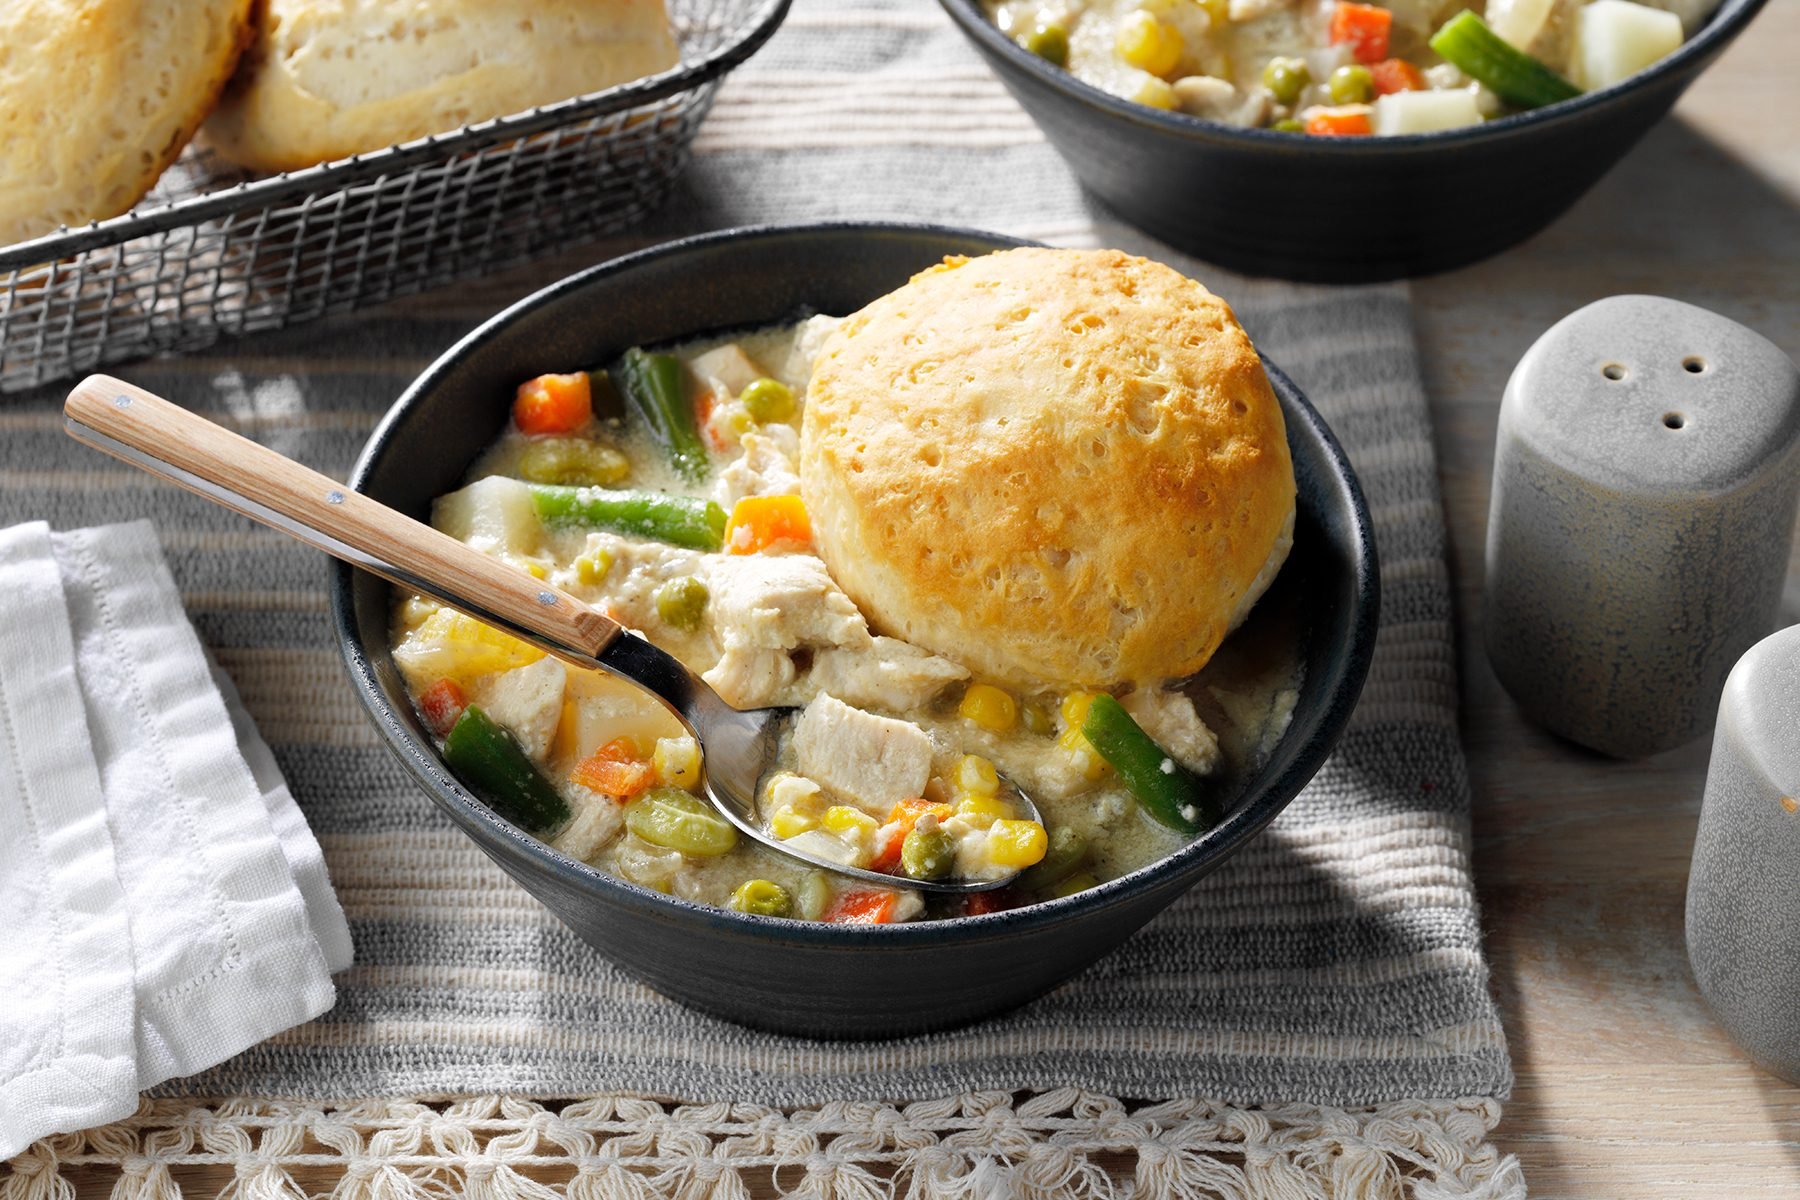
column 1693, row 364
column 1613, row 371
column 1674, row 420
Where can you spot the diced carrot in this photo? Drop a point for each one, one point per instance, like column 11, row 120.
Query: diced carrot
column 553, row 404
column 759, row 522
column 1365, row 27
column 615, row 769
column 704, row 404
column 1350, row 121
column 1397, row 75
column 912, row 809
column 440, row 705
column 887, row 859
column 979, row 904
column 863, row 908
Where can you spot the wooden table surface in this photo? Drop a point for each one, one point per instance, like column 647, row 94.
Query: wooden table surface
column 1625, row 1086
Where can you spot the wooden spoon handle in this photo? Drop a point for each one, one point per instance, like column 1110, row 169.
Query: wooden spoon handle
column 149, row 432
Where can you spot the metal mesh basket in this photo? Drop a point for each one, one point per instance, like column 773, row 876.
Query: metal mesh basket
column 212, row 250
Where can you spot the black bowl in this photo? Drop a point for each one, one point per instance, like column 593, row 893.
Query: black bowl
column 1342, row 210
column 794, row 976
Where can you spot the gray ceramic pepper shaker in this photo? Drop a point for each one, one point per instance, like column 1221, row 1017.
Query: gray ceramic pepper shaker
column 1743, row 903
column 1646, row 477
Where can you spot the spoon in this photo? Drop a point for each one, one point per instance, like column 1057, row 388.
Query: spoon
column 172, row 443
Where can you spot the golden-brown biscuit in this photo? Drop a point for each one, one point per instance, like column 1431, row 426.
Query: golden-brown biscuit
column 329, row 78
column 97, row 97
column 1053, row 466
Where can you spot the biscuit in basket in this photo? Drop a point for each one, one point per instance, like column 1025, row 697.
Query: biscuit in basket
column 1052, row 466
column 325, row 79
column 98, row 96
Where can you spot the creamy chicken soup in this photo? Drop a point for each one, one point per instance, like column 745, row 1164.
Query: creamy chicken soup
column 664, row 491
column 1343, row 68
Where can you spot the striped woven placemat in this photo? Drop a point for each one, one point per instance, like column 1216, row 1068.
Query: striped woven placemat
column 1313, row 1016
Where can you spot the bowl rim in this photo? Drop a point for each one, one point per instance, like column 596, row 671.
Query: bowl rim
column 1723, row 24
column 1238, row 827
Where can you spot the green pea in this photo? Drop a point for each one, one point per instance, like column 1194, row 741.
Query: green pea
column 680, row 602
column 815, row 896
column 572, row 462
column 1075, row 883
column 927, row 853
column 1068, row 850
column 1289, row 125
column 1351, row 85
column 768, row 400
column 1286, row 78
column 1048, row 42
column 675, row 820
column 761, row 897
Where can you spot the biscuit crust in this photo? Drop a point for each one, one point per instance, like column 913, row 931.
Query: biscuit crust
column 326, row 79
column 99, row 97
column 1056, row 467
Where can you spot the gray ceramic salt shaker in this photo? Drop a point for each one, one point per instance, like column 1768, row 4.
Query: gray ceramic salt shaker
column 1646, row 476
column 1743, row 903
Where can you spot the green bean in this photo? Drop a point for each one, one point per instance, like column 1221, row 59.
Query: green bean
column 1288, row 125
column 1483, row 55
column 655, row 388
column 1068, row 850
column 680, row 602
column 762, row 897
column 927, row 853
column 484, row 755
column 1168, row 791
column 677, row 820
column 681, row 520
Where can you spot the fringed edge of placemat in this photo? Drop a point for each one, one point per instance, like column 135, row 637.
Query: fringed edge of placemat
column 979, row 1146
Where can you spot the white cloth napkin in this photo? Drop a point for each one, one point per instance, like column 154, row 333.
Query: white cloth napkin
column 165, row 904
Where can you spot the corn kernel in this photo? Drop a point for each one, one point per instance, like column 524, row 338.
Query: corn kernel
column 1075, row 707
column 1149, row 44
column 590, row 569
column 530, row 566
column 1154, row 93
column 1073, row 884
column 976, row 775
column 982, row 809
column 1081, row 753
column 841, row 818
column 1016, row 843
column 1218, row 10
column 791, row 822
column 989, row 707
column 677, row 761
column 416, row 609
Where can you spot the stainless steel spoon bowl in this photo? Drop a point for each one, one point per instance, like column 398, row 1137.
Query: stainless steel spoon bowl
column 168, row 441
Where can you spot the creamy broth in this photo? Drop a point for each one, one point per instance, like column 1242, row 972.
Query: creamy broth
column 772, row 629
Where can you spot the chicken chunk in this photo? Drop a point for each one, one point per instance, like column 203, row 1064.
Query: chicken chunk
column 1170, row 720
column 808, row 341
column 875, row 761
column 883, row 673
column 528, row 700
column 766, row 468
column 764, row 607
column 597, row 821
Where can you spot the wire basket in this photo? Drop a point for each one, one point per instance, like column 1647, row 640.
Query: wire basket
column 212, row 250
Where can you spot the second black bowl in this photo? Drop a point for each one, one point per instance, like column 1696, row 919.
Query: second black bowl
column 1342, row 210
column 799, row 976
